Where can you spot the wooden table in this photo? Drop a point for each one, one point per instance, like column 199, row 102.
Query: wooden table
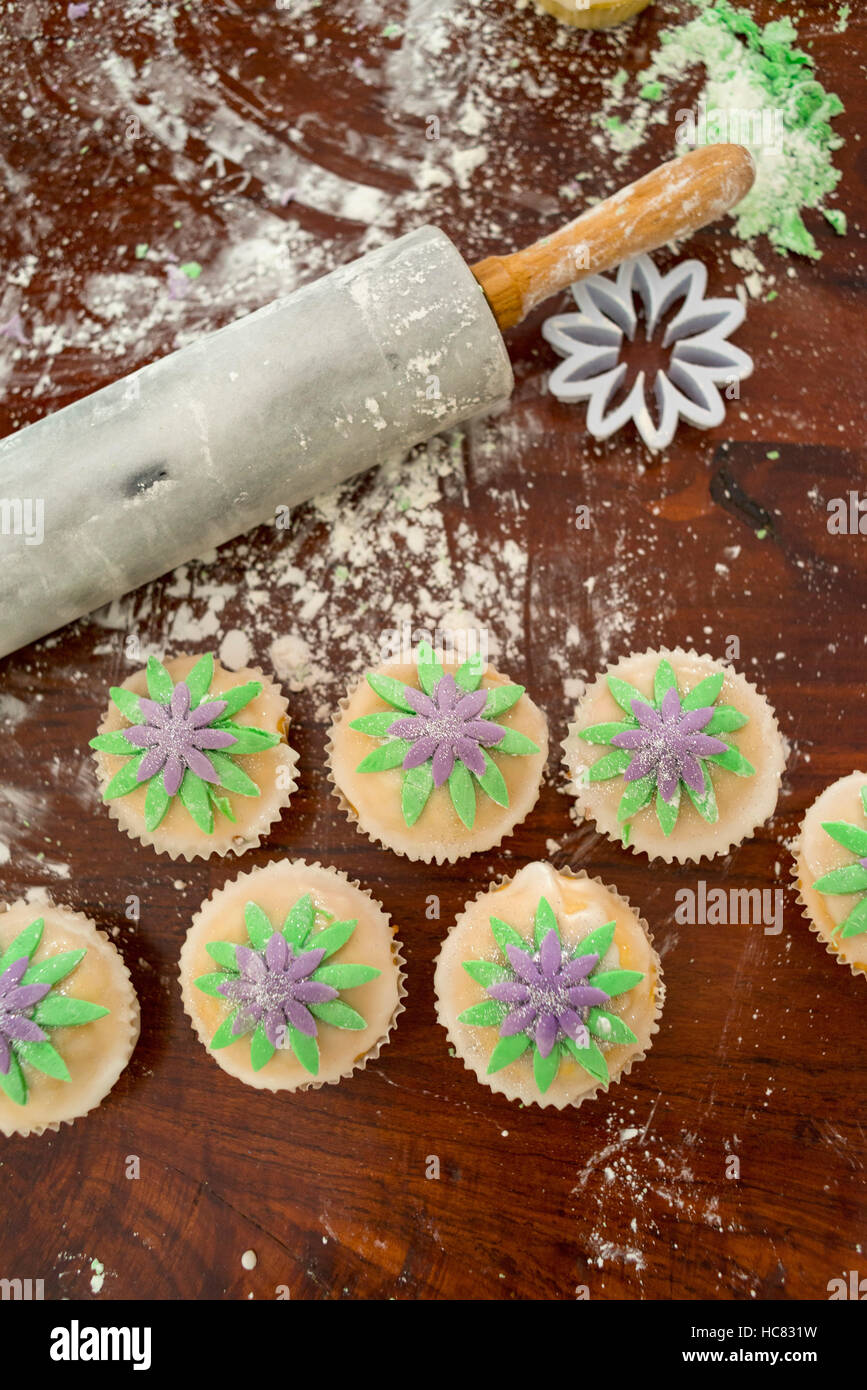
column 760, row 1055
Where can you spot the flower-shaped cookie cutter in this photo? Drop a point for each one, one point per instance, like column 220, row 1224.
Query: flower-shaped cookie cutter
column 701, row 359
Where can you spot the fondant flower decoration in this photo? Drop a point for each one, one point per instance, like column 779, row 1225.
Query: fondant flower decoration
column 442, row 733
column 849, row 878
column 701, row 359
column 280, row 986
column 183, row 743
column 542, row 997
column 668, row 743
column 29, row 1009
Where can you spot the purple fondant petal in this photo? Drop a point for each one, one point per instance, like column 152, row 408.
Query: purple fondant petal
column 156, row 714
column 277, row 951
column 206, row 714
column 236, row 989
column 301, row 1018
column 518, row 1021
column 446, row 694
column 573, row 1026
column 180, row 702
column 12, row 976
column 641, row 764
column 667, row 782
column 142, row 736
column 173, row 774
column 587, row 996
column 250, row 963
column 443, row 762
column 421, row 703
column 578, row 969
column 484, row 731
column 630, row 738
column 546, row 1033
column 550, row 956
column 509, row 991
column 691, row 772
column 314, row 992
column 275, row 1027
column 213, row 738
column 470, row 755
column 523, row 965
column 670, row 707
column 152, row 763
column 243, row 1021
column 704, row 744
column 23, row 1029
column 468, row 706
column 412, row 727
column 25, row 996
column 694, row 719
column 5, row 1056
column 306, row 963
column 420, row 752
column 646, row 715
column 201, row 765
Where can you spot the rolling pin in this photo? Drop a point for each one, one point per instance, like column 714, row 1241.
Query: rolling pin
column 359, row 366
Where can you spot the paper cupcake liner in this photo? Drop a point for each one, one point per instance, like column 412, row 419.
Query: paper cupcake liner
column 601, row 1086
column 361, row 1062
column 261, row 826
column 831, row 943
column 131, row 1017
column 417, row 857
column 597, row 15
column 669, row 853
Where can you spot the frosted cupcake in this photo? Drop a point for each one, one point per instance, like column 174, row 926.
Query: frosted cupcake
column 831, row 870
column 676, row 755
column 593, row 14
column 193, row 759
column 435, row 760
column 548, row 987
column 291, row 976
column 69, row 1017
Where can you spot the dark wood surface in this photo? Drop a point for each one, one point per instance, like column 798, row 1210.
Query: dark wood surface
column 760, row 1053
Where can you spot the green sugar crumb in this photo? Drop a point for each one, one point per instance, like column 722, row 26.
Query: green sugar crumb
column 651, row 91
column 191, row 269
column 837, row 220
column 141, row 250
column 760, row 90
column 614, row 123
column 770, row 296
column 842, row 19
column 772, row 454
column 760, row 535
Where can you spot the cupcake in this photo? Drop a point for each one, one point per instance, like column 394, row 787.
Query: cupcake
column 674, row 754
column 831, row 869
column 548, row 987
column 193, row 759
column 437, row 760
column 291, row 976
column 593, row 14
column 69, row 1017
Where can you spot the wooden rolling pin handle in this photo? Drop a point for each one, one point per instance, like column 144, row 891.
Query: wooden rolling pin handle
column 672, row 201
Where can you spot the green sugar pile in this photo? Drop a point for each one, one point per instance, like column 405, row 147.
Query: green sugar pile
column 761, row 91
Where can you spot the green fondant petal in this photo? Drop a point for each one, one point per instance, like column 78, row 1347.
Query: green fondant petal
column 636, row 796
column 504, row 935
column 223, row 952
column 261, row 1050
column 492, row 782
column 160, row 683
column 508, row 1050
column 260, row 929
column 624, row 693
column 198, row 681
column 705, row 802
column 856, row 922
column 545, row 1069
column 13, row 1082
column 500, row 698
column 305, row 1049
column 733, row 761
column 45, row 1058
column 300, row 921
column 597, row 943
column 864, row 798
column 486, row 972
column 517, row 745
column 224, row 1035
column 24, row 944
column 724, row 720
column 616, row 982
column 345, row 976
column 115, row 743
column 338, row 1014
column 208, row 983
column 850, row 879
column 705, row 693
column 468, row 677
column 388, row 755
column 391, row 691
column 238, row 697
column 124, row 781
column 591, row 1059
column 663, row 681
column 231, row 776
column 221, row 804
column 332, row 938
column 851, row 837
column 60, row 1011
column 415, row 792
column 56, row 968
column 488, row 1014
column 247, row 739
column 609, row 1027
column 376, row 725
column 611, row 765
column 194, row 795
column 667, row 811
column 127, row 703
column 544, row 922
column 157, row 802
column 463, row 793
column 604, row 733
column 430, row 671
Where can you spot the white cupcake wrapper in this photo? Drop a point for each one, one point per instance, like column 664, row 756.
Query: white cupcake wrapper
column 578, row 790
column 267, row 819
column 397, row 956
column 659, row 1000
column 133, row 1011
